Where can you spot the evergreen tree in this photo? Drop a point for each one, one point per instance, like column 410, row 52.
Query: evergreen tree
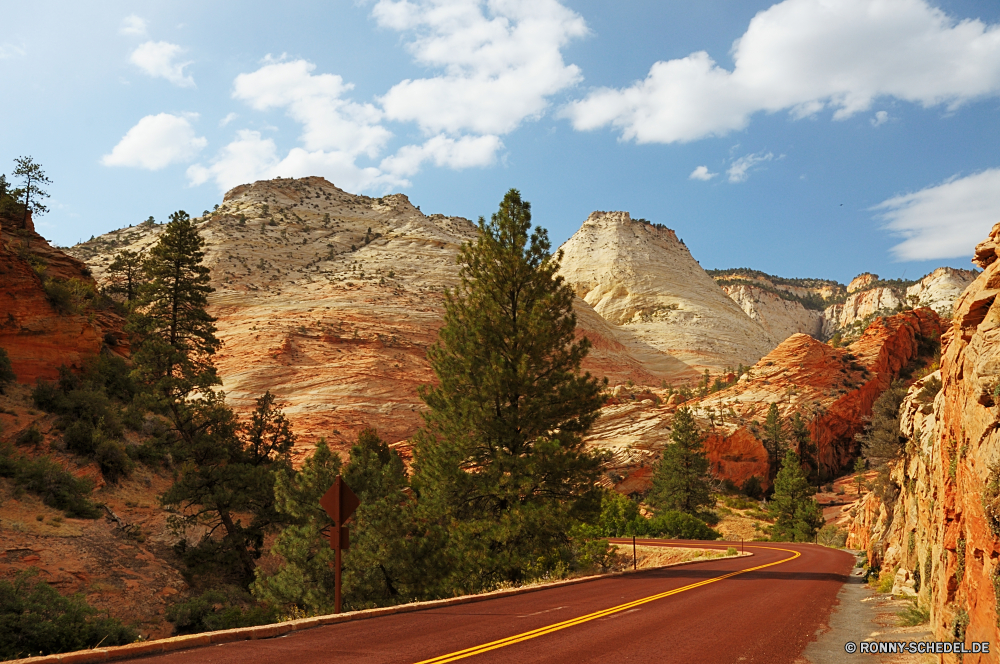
column 7, row 374
column 228, row 471
column 32, row 176
column 125, row 274
column 681, row 480
column 806, row 448
column 797, row 516
column 173, row 336
column 774, row 439
column 500, row 462
column 859, row 472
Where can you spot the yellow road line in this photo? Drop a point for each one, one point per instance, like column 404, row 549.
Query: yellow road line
column 541, row 631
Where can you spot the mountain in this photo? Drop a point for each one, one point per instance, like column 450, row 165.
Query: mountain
column 642, row 279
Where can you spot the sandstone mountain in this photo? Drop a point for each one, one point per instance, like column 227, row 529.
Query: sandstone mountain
column 330, row 301
column 642, row 279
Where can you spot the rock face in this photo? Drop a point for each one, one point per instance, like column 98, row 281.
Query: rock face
column 643, row 280
column 939, row 289
column 330, row 300
column 833, row 389
column 943, row 528
column 780, row 317
column 37, row 336
column 859, row 306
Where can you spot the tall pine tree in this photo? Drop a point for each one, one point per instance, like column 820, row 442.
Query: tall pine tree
column 681, row 481
column 500, row 462
column 774, row 439
column 124, row 275
column 797, row 516
column 807, row 448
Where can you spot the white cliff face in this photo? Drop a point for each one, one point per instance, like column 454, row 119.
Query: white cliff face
column 781, row 318
column 939, row 289
column 859, row 305
column 643, row 280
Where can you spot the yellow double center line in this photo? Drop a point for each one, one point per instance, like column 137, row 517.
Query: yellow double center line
column 542, row 631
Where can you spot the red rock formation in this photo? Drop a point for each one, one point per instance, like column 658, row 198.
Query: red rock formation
column 35, row 335
column 832, row 388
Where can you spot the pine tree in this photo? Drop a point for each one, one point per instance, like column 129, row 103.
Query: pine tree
column 305, row 579
column 797, row 516
column 173, row 336
column 32, row 175
column 681, row 480
column 774, row 439
column 125, row 274
column 806, row 448
column 500, row 462
column 229, row 470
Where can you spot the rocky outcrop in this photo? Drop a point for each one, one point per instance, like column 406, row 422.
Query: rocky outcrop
column 780, row 317
column 938, row 523
column 859, row 307
column 642, row 279
column 939, row 289
column 37, row 336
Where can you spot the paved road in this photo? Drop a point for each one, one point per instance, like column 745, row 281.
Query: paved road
column 763, row 608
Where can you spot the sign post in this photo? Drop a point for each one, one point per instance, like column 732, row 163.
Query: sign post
column 339, row 502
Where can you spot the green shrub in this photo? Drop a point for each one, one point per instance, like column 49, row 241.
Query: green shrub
column 752, row 488
column 58, row 488
column 831, row 535
column 731, row 551
column 37, row 620
column 113, row 460
column 226, row 608
column 30, row 437
column 79, row 438
column 679, row 525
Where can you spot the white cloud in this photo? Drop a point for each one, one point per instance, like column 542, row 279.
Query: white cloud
column 226, row 120
column 133, row 26
column 805, row 56
column 158, row 59
column 739, row 170
column 329, row 121
column 881, row 117
column 500, row 62
column 466, row 152
column 155, row 142
column 251, row 157
column 701, row 173
column 945, row 220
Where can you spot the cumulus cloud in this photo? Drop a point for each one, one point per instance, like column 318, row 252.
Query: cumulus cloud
column 226, row 120
column 740, row 169
column 701, row 173
column 466, row 152
column 500, row 61
column 944, row 220
column 805, row 56
column 881, row 117
column 155, row 142
column 159, row 60
column 329, row 121
column 251, row 157
column 133, row 26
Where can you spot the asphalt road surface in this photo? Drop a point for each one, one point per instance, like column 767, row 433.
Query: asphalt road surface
column 761, row 608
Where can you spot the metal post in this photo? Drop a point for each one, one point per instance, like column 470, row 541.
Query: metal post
column 742, row 550
column 336, row 580
column 633, row 553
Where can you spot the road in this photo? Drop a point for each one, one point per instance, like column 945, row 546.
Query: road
column 761, row 608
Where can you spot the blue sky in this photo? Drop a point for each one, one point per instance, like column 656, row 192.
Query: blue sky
column 802, row 138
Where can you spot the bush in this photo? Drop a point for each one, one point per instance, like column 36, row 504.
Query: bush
column 113, row 460
column 58, row 488
column 79, row 438
column 831, row 535
column 37, row 620
column 914, row 615
column 30, row 437
column 679, row 525
column 225, row 608
column 752, row 488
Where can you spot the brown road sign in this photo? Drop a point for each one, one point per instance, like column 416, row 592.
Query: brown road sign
column 339, row 502
column 341, row 535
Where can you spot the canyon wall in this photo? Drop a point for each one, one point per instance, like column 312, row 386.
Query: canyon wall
column 938, row 526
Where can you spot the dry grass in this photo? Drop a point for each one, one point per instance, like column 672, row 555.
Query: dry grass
column 657, row 556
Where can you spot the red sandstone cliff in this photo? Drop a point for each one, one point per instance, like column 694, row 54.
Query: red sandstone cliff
column 38, row 337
